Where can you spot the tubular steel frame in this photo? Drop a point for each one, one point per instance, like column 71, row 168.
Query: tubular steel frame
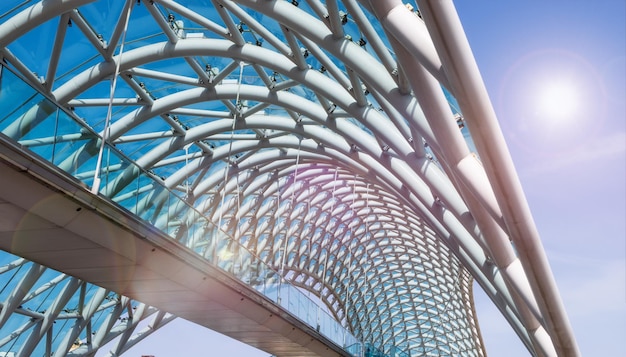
column 366, row 160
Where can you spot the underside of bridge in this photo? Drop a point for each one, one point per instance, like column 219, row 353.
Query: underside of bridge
column 345, row 149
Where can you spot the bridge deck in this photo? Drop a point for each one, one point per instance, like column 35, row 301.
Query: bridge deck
column 52, row 220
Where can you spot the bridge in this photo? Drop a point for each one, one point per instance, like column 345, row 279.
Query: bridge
column 310, row 178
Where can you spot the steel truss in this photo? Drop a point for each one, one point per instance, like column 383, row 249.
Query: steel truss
column 333, row 140
column 52, row 313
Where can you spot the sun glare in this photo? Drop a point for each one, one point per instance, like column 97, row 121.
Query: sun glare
column 558, row 101
column 551, row 102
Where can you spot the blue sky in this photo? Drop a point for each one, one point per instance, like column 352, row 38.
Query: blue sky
column 569, row 151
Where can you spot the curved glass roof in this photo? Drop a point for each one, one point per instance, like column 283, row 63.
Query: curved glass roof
column 322, row 137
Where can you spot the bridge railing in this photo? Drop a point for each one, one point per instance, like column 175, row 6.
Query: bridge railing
column 54, row 134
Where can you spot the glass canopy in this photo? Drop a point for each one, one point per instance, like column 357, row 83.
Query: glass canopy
column 318, row 140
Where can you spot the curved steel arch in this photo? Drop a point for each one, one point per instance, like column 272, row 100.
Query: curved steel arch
column 373, row 110
column 88, row 316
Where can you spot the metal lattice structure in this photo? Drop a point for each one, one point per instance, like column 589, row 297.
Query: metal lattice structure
column 48, row 313
column 348, row 146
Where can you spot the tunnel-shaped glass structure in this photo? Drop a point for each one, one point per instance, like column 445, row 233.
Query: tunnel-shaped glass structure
column 344, row 147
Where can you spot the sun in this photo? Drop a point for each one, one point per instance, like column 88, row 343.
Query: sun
column 551, row 101
column 557, row 100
